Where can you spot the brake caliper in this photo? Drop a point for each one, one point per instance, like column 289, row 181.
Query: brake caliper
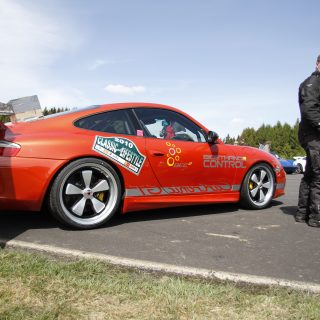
column 100, row 196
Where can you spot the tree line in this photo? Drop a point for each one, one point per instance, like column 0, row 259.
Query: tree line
column 46, row 111
column 4, row 118
column 282, row 139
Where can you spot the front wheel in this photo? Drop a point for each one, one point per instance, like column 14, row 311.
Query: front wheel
column 258, row 187
column 85, row 194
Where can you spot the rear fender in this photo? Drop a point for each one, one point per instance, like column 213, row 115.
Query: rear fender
column 45, row 198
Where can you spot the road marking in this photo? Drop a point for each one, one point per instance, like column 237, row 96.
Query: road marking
column 162, row 267
column 267, row 227
column 229, row 236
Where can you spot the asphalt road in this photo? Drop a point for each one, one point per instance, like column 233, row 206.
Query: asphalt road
column 221, row 237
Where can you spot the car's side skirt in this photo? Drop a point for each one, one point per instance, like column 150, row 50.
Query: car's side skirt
column 137, row 203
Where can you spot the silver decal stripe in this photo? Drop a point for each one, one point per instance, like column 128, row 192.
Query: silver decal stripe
column 155, row 191
column 133, row 192
column 236, row 187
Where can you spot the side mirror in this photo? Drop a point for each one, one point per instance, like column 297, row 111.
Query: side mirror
column 212, row 137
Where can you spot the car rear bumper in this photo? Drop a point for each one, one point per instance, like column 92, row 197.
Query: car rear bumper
column 24, row 182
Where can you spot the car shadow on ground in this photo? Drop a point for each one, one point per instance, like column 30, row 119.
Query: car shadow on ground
column 14, row 223
column 289, row 210
column 180, row 212
column 172, row 213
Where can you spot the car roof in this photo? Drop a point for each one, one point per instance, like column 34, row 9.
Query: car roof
column 67, row 117
column 109, row 107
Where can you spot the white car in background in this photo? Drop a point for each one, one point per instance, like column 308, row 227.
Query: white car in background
column 300, row 162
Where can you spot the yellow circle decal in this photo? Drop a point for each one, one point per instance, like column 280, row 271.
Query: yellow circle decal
column 178, row 150
column 170, row 162
column 172, row 151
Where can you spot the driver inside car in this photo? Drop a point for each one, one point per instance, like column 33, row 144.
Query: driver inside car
column 174, row 130
column 167, row 131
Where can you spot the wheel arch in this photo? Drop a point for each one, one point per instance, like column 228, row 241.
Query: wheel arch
column 48, row 189
column 257, row 163
column 249, row 201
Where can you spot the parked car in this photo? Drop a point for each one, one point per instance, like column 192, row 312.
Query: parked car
column 87, row 164
column 288, row 165
column 300, row 162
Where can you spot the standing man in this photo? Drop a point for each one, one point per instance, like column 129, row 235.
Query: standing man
column 309, row 138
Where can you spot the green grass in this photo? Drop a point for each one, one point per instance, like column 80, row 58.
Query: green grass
column 33, row 286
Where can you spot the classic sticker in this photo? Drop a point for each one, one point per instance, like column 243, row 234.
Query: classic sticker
column 121, row 150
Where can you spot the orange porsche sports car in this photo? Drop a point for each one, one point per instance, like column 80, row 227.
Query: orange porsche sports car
column 89, row 163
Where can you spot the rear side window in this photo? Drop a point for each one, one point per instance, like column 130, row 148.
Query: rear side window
column 117, row 121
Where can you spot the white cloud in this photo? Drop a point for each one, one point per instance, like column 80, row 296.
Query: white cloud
column 121, row 89
column 237, row 121
column 99, row 63
column 62, row 97
column 31, row 42
column 30, row 38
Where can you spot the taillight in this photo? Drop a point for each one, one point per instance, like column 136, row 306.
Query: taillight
column 8, row 149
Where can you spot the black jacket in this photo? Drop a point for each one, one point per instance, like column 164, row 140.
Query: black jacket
column 309, row 101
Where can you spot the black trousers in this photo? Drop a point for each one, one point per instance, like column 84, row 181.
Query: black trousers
column 309, row 191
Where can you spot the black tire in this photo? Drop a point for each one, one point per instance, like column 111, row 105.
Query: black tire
column 85, row 194
column 258, row 187
column 299, row 168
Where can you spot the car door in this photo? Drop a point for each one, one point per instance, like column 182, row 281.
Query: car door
column 180, row 156
column 113, row 135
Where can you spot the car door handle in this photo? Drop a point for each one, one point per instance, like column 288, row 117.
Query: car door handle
column 157, row 153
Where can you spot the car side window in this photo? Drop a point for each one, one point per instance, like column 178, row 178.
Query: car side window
column 117, row 121
column 169, row 125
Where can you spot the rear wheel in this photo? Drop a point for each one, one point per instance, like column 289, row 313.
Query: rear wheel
column 258, row 187
column 85, row 194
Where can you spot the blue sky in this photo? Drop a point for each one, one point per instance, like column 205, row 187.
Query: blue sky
column 230, row 64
